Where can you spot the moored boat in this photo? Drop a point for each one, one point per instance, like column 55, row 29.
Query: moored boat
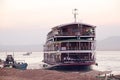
column 70, row 44
column 10, row 62
column 27, row 54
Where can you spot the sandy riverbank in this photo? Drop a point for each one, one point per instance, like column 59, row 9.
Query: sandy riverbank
column 39, row 74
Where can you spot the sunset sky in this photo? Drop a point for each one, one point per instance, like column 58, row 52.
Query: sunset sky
column 25, row 22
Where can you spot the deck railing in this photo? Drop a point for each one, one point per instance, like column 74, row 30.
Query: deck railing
column 72, row 34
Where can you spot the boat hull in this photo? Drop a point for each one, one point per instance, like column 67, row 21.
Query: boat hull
column 70, row 66
column 22, row 66
column 77, row 64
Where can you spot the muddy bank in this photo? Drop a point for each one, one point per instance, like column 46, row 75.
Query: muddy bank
column 40, row 74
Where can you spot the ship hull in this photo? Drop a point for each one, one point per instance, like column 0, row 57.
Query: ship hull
column 72, row 64
column 70, row 67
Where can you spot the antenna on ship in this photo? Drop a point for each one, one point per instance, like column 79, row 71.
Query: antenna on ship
column 75, row 13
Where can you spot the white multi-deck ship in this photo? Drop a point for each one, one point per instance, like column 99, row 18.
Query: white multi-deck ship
column 70, row 44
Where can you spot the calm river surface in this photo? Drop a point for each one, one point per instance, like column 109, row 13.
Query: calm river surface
column 107, row 60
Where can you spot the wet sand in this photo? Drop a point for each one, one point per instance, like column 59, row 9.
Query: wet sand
column 41, row 74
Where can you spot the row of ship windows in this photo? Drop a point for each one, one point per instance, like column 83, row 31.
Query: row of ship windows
column 68, row 46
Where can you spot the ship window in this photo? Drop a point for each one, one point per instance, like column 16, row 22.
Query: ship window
column 64, row 30
column 74, row 29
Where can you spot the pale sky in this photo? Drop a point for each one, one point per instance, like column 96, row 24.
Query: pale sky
column 24, row 22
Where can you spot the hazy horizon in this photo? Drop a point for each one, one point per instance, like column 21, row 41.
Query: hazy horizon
column 27, row 22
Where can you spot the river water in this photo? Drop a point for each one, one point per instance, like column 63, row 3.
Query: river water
column 107, row 60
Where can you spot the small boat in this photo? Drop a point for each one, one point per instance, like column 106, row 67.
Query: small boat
column 20, row 65
column 27, row 54
column 10, row 62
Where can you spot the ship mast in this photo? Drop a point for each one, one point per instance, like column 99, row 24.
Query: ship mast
column 75, row 14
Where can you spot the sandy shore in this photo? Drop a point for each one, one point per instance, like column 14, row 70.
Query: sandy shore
column 39, row 74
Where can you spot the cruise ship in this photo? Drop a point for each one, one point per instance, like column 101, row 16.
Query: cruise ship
column 71, row 44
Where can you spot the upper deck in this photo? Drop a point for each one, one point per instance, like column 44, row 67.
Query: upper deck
column 72, row 29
